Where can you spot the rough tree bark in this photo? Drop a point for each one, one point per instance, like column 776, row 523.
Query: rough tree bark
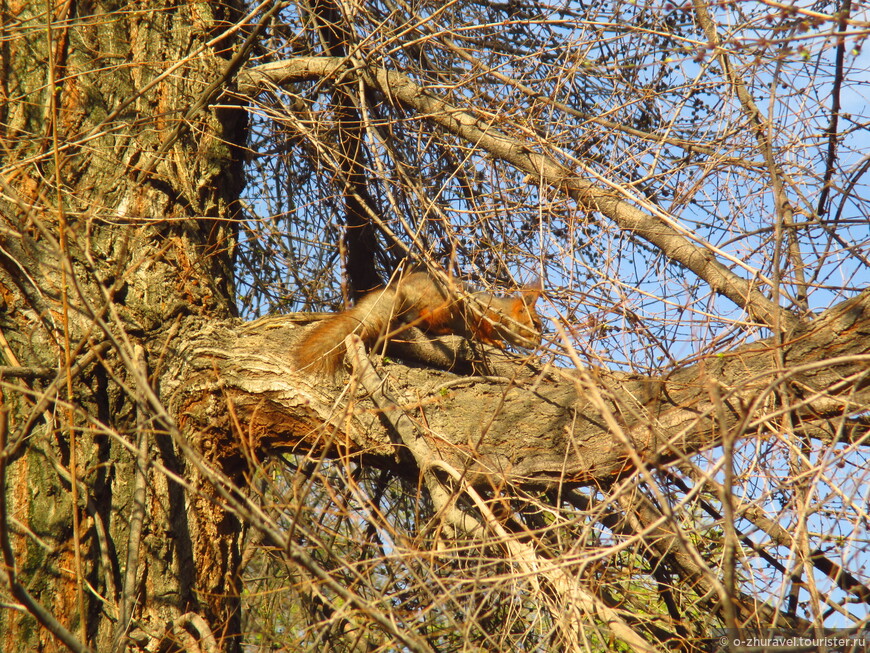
column 117, row 202
column 567, row 419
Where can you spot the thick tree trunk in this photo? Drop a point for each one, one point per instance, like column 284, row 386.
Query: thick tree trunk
column 115, row 208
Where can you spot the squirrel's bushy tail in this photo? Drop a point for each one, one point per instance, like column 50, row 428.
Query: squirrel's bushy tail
column 321, row 349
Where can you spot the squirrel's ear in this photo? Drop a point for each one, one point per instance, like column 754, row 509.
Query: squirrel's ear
column 532, row 290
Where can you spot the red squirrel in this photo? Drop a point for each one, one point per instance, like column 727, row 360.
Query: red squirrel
column 416, row 299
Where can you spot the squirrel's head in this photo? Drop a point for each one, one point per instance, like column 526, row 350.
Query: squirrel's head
column 524, row 327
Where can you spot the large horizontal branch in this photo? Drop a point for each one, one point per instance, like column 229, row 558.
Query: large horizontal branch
column 236, row 381
column 399, row 89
